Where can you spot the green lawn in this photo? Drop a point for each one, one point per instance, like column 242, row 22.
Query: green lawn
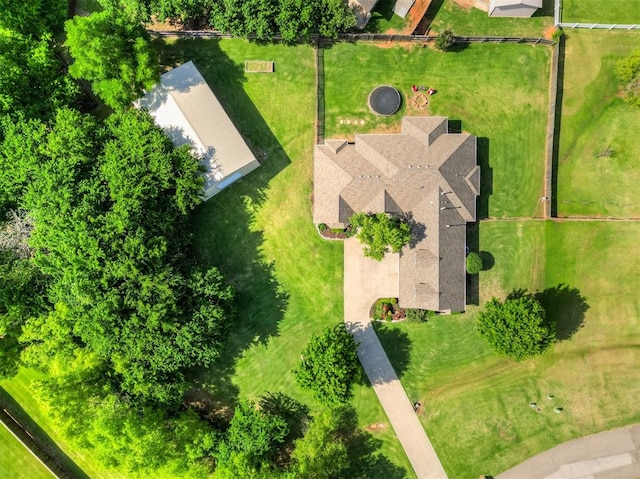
column 473, row 21
column 288, row 280
column 597, row 11
column 593, row 119
column 16, row 461
column 477, row 412
column 80, row 461
column 498, row 92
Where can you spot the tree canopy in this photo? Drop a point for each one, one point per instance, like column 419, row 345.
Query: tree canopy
column 380, row 233
column 112, row 51
column 628, row 72
column 517, row 328
column 329, row 366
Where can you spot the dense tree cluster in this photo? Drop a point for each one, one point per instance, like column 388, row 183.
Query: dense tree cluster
column 329, row 366
column 293, row 20
column 380, row 233
column 113, row 53
column 517, row 328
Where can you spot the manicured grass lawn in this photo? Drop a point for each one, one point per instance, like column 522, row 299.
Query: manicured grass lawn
column 473, row 21
column 16, row 460
column 476, row 405
column 593, row 119
column 597, row 11
column 497, row 92
column 288, row 280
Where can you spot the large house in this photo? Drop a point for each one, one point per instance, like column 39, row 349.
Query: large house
column 425, row 173
column 184, row 106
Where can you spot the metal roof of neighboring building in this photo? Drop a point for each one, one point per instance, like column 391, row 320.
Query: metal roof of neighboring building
column 184, row 106
column 425, row 173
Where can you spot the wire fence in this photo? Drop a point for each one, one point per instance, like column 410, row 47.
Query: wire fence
column 557, row 21
column 319, row 54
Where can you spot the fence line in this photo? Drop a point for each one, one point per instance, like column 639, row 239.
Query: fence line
column 30, row 444
column 557, row 21
column 366, row 37
column 551, row 132
column 319, row 54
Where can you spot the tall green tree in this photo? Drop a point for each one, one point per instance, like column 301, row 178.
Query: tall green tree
column 329, row 366
column 32, row 80
column 380, row 233
column 33, row 18
column 517, row 328
column 113, row 52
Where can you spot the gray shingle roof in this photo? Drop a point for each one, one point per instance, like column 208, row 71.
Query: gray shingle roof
column 424, row 172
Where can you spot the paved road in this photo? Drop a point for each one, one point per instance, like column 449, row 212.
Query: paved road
column 366, row 280
column 606, row 455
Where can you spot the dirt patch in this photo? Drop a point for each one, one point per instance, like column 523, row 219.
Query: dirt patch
column 465, row 3
column 548, row 32
column 406, row 45
column 376, row 427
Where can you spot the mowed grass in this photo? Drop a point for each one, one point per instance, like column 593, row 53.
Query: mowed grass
column 496, row 92
column 597, row 11
column 477, row 410
column 16, row 461
column 472, row 21
column 259, row 231
column 595, row 118
column 20, row 389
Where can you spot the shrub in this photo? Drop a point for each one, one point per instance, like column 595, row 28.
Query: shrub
column 444, row 41
column 517, row 328
column 419, row 315
column 322, row 226
column 474, row 263
column 628, row 72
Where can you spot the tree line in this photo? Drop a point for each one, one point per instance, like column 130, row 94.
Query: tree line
column 293, row 20
column 99, row 289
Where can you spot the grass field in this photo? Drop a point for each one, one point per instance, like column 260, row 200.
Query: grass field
column 477, row 406
column 593, row 119
column 16, row 461
column 497, row 92
column 597, row 11
column 447, row 14
column 289, row 280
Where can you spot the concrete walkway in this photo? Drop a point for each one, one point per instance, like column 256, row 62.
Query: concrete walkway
column 606, row 455
column 366, row 280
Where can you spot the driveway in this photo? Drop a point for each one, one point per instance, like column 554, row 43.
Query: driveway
column 366, row 280
column 606, row 455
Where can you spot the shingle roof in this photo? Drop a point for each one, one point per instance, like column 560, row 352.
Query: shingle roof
column 424, row 172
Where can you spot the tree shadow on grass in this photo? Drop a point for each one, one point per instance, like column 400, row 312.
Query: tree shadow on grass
column 59, row 461
column 488, row 260
column 363, row 447
column 566, row 306
column 223, row 233
column 396, row 344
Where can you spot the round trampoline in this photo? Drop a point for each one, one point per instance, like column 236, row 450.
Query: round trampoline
column 385, row 100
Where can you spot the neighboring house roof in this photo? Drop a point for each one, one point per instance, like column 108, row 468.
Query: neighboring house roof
column 514, row 8
column 184, row 106
column 425, row 173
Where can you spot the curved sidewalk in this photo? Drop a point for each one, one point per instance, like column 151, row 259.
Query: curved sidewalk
column 366, row 280
column 606, row 455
